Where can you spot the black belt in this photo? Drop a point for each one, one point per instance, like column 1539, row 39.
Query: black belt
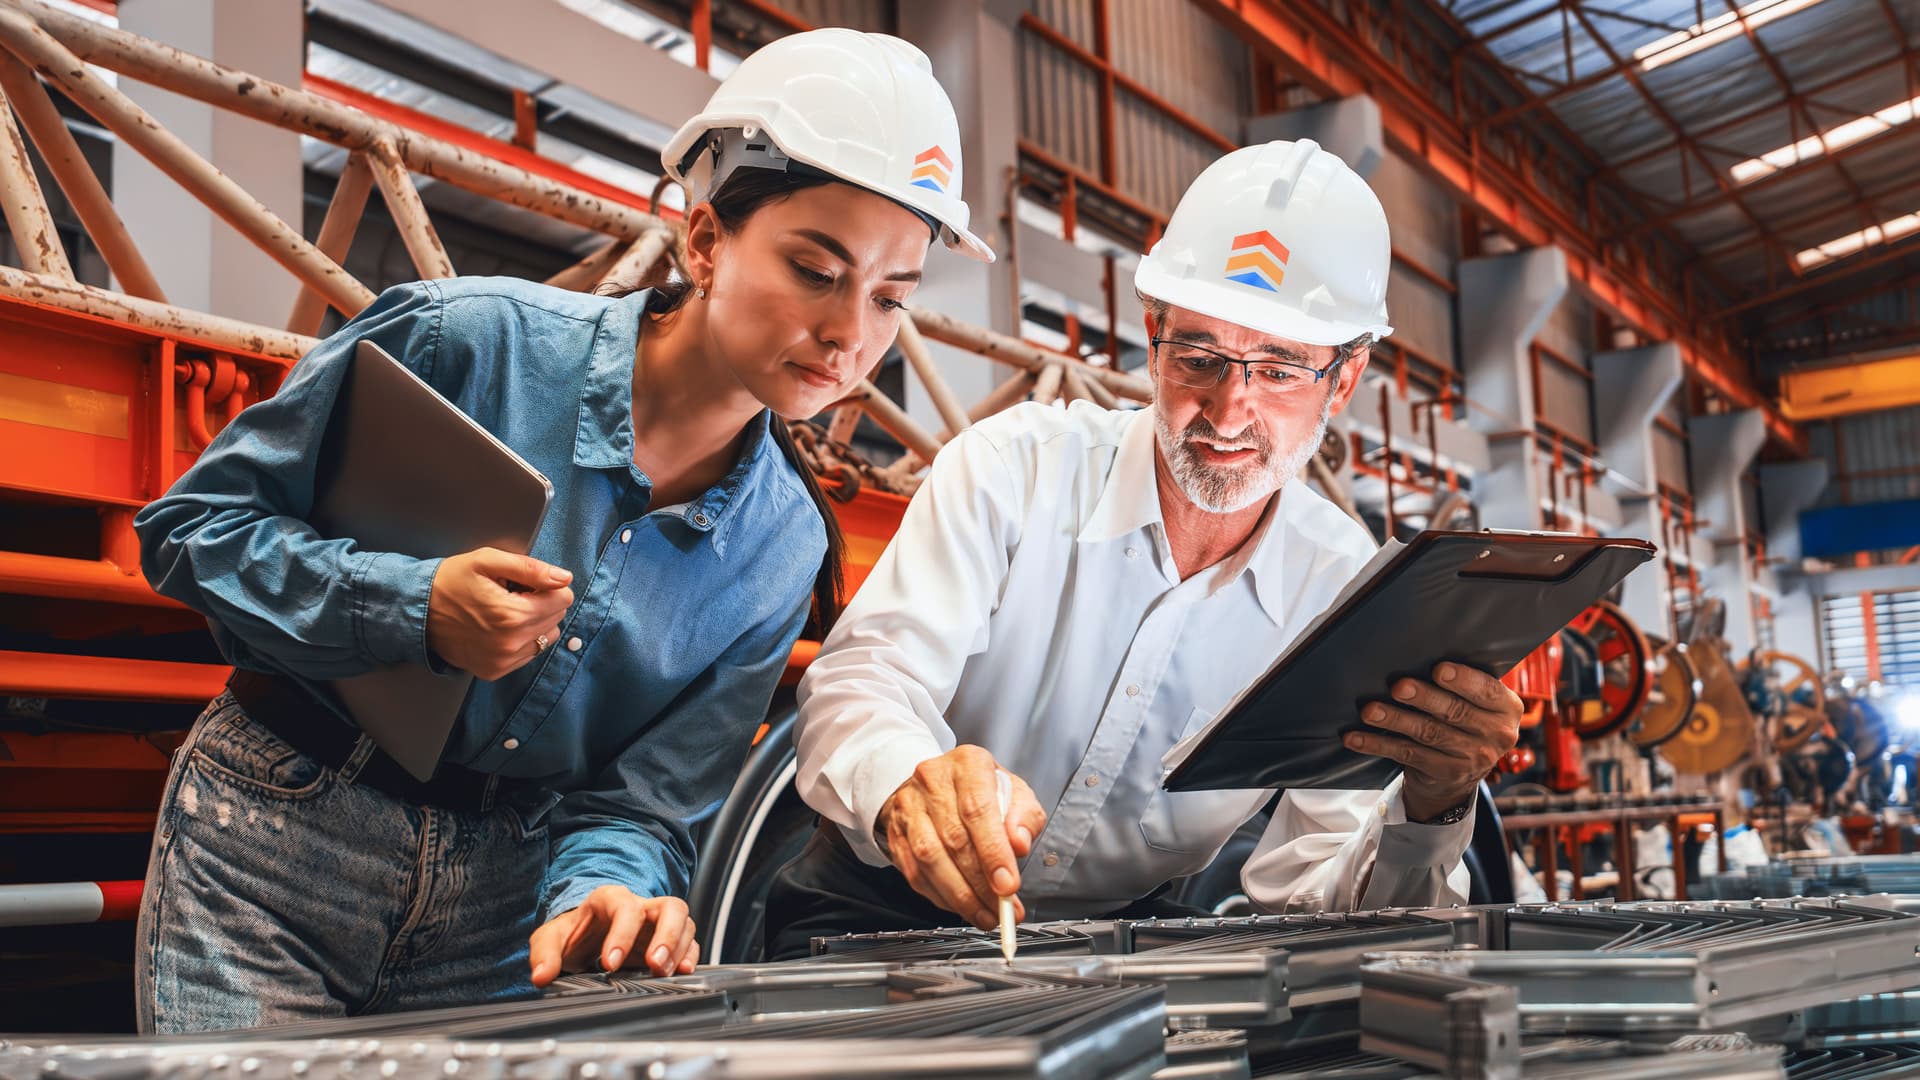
column 287, row 709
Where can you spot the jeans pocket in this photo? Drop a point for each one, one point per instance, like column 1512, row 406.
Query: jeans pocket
column 238, row 750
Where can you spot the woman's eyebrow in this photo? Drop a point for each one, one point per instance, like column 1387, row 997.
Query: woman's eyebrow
column 839, row 251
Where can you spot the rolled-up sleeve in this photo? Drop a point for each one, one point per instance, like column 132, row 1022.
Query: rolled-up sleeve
column 231, row 539
column 871, row 704
column 1328, row 850
column 632, row 825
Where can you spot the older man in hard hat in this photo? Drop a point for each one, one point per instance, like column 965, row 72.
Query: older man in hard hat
column 1073, row 591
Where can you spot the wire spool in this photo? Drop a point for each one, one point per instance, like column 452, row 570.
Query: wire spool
column 1709, row 741
column 1787, row 673
column 1626, row 679
column 1797, row 728
column 1675, row 689
column 1333, row 451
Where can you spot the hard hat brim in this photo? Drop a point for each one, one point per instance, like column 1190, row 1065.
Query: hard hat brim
column 1235, row 304
column 956, row 237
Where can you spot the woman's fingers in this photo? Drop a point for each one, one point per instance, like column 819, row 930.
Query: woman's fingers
column 626, row 913
column 671, row 930
column 546, row 949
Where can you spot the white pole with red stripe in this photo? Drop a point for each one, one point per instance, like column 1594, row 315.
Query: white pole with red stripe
column 69, row 902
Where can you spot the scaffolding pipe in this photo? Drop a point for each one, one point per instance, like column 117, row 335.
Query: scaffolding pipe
column 845, row 420
column 945, row 401
column 68, row 163
column 282, row 106
column 632, row 266
column 1011, row 350
column 220, row 193
column 1046, row 388
column 28, row 218
column 423, row 244
column 894, row 420
column 335, row 239
column 190, row 327
column 592, row 268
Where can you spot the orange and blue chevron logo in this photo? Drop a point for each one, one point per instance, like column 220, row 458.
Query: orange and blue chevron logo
column 932, row 169
column 1258, row 260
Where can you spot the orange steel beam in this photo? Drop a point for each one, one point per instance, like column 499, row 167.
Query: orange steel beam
column 82, row 782
column 1322, row 54
column 787, row 20
column 468, row 139
column 76, row 579
column 98, row 678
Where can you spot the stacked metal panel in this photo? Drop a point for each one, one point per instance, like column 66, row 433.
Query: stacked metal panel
column 1818, row 989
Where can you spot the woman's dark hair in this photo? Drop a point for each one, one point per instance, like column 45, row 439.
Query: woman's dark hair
column 744, row 192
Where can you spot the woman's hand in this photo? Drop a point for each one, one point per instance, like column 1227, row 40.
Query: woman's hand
column 490, row 608
column 604, row 929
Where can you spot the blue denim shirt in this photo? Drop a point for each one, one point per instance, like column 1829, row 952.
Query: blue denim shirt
column 685, row 618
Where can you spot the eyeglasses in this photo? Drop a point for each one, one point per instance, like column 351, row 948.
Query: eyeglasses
column 1202, row 368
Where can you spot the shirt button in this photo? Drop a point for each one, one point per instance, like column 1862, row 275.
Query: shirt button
column 700, row 520
column 626, row 535
column 1133, row 553
column 1133, row 691
column 573, row 644
column 1382, row 808
column 510, row 744
column 1093, row 781
column 1051, row 859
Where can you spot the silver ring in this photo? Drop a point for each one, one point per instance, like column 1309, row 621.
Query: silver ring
column 540, row 643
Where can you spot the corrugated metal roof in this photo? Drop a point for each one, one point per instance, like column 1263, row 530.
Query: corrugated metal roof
column 1673, row 131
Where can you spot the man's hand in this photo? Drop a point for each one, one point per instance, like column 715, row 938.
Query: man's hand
column 1446, row 735
column 490, row 608
column 945, row 833
column 603, row 929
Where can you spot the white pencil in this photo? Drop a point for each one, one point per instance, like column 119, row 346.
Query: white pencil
column 1009, row 936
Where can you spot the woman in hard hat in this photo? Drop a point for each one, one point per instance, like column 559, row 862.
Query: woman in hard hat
column 623, row 665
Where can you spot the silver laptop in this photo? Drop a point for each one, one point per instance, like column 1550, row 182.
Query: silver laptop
column 403, row 469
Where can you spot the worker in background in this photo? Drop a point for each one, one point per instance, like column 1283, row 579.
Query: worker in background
column 297, row 872
column 1072, row 592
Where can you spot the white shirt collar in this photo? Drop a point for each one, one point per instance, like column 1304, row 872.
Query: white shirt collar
column 1130, row 502
column 1130, row 499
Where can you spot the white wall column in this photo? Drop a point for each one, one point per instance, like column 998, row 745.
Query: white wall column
column 974, row 47
column 202, row 263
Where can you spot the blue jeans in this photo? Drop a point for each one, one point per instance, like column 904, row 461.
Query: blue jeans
column 278, row 890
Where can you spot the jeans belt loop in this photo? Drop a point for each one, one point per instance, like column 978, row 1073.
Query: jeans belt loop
column 487, row 793
column 362, row 751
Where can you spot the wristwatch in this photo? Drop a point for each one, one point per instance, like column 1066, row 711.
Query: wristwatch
column 1451, row 817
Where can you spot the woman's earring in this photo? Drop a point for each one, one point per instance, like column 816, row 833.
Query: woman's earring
column 700, row 291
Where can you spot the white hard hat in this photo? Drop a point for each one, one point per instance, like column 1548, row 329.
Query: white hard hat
column 1282, row 238
column 863, row 108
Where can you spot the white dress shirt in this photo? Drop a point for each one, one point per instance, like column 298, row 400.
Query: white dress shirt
column 1030, row 604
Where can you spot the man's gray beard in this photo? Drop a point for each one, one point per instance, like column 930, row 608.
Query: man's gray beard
column 1222, row 491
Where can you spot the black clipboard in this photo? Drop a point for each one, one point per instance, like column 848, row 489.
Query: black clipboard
column 1483, row 599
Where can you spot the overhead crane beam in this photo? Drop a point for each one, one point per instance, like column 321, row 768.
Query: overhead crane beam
column 1844, row 389
column 1327, row 57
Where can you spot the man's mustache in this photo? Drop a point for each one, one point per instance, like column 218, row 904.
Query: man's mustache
column 1202, row 431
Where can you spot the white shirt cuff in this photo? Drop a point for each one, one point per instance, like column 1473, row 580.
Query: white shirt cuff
column 881, row 771
column 1409, row 844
